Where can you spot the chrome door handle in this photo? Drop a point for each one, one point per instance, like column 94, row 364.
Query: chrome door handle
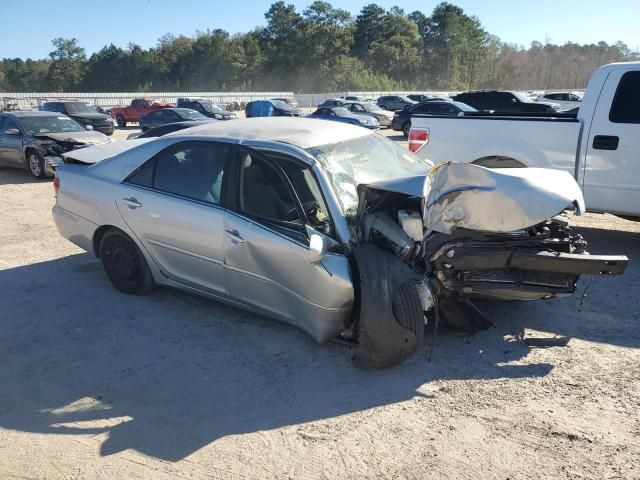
column 235, row 236
column 131, row 202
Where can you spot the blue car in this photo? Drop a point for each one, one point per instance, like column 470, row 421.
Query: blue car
column 340, row 114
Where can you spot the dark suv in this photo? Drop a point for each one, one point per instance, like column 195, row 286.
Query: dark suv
column 207, row 108
column 83, row 113
column 503, row 101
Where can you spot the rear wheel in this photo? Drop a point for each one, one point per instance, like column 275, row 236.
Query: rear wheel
column 405, row 129
column 124, row 264
column 407, row 308
column 121, row 121
column 384, row 107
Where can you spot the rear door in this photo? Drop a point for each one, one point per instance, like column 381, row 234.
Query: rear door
column 267, row 248
column 612, row 166
column 173, row 204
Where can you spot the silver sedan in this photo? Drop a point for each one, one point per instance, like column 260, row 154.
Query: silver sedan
column 329, row 227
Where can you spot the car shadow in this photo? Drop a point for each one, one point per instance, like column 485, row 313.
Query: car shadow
column 397, row 138
column 18, row 176
column 168, row 373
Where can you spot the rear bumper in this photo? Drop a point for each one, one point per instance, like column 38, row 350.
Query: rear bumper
column 74, row 228
column 108, row 130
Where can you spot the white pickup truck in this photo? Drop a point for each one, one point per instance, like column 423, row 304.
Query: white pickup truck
column 600, row 145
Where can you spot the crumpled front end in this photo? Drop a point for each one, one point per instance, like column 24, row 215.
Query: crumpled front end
column 468, row 231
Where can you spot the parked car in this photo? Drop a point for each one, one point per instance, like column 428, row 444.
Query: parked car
column 168, row 115
column 370, row 109
column 139, row 108
column 425, row 97
column 395, row 102
column 275, row 214
column 169, row 128
column 341, row 114
column 206, row 108
column 83, row 113
column 402, row 118
column 504, row 101
column 600, row 146
column 353, row 98
column 271, row 108
column 332, row 102
column 35, row 140
column 288, row 100
column 566, row 100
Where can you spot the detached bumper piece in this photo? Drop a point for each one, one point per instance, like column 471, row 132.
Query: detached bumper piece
column 475, row 269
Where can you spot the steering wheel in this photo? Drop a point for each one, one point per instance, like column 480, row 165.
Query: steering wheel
column 310, row 208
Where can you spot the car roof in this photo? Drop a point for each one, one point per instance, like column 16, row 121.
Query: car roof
column 300, row 132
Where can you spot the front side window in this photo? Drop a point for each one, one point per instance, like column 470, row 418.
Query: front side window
column 263, row 193
column 7, row 123
column 626, row 102
column 192, row 170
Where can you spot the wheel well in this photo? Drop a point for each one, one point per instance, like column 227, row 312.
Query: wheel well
column 498, row 161
column 98, row 235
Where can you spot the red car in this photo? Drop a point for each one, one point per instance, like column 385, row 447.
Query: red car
column 139, row 108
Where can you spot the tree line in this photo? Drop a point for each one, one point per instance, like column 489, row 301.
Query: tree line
column 321, row 49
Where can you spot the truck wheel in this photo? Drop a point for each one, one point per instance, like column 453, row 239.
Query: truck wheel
column 407, row 308
column 405, row 129
column 121, row 121
column 35, row 164
column 125, row 264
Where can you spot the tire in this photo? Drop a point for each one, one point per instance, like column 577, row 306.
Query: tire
column 121, row 121
column 407, row 308
column 406, row 126
column 124, row 264
column 35, row 165
column 384, row 107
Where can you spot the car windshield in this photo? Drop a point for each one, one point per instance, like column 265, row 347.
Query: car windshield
column 406, row 99
column 341, row 112
column 211, row 107
column 364, row 159
column 188, row 114
column 522, row 97
column 50, row 124
column 281, row 105
column 464, row 107
column 79, row 107
column 372, row 107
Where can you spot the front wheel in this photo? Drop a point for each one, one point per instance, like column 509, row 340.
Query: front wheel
column 124, row 264
column 35, row 164
column 121, row 121
column 405, row 129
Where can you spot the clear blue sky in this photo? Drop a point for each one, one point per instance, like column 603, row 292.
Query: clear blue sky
column 28, row 26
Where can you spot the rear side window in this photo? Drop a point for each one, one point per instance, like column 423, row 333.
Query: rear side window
column 626, row 102
column 191, row 170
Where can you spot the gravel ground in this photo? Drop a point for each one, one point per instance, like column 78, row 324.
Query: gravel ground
column 97, row 384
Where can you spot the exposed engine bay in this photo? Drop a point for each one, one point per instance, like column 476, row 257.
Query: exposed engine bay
column 451, row 264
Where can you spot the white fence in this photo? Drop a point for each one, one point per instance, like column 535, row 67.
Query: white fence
column 34, row 100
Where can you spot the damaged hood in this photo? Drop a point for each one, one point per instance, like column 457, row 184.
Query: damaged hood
column 461, row 195
column 88, row 137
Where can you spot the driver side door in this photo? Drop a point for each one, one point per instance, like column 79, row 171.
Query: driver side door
column 266, row 259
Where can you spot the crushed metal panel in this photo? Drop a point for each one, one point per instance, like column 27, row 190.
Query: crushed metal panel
column 460, row 195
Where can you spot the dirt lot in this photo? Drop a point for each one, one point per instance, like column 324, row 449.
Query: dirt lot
column 97, row 384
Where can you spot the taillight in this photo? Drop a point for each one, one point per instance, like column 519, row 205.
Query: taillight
column 418, row 138
column 56, row 185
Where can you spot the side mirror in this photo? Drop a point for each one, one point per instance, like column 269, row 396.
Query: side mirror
column 12, row 131
column 89, row 127
column 317, row 248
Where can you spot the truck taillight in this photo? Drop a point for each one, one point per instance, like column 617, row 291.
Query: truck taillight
column 418, row 138
column 56, row 184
